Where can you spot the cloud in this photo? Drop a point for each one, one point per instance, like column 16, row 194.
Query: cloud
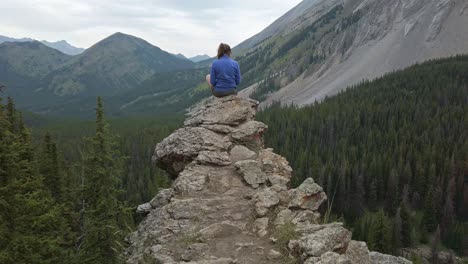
column 185, row 26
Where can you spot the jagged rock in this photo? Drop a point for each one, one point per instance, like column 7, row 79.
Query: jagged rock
column 261, row 226
column 306, row 218
column 312, row 260
column 184, row 145
column 273, row 163
column 228, row 193
column 223, row 129
column 239, row 153
column 278, row 180
column 308, row 195
column 144, row 208
column 229, row 110
column 162, row 198
column 333, row 258
column 213, row 158
column 327, row 239
column 358, row 252
column 251, row 172
column 251, row 131
column 379, row 258
column 265, row 200
column 193, row 179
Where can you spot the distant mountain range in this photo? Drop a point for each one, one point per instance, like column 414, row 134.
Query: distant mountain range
column 317, row 49
column 61, row 45
column 197, row 58
column 41, row 78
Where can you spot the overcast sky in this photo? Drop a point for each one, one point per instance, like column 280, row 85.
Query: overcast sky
column 190, row 27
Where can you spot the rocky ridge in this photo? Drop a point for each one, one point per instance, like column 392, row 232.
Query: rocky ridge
column 230, row 201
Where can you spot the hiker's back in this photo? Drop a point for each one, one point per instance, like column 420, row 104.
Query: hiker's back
column 227, row 73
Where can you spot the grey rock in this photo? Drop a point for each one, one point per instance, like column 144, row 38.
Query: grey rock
column 284, row 217
column 379, row 258
column 312, row 260
column 327, row 239
column 162, row 198
column 265, row 200
column 251, row 172
column 306, row 218
column 184, row 145
column 274, row 254
column 278, row 180
column 261, row 226
column 239, row 153
column 308, row 195
column 358, row 253
column 333, row 258
column 229, row 110
column 250, row 131
column 217, row 158
column 144, row 208
column 273, row 163
column 223, row 129
column 191, row 180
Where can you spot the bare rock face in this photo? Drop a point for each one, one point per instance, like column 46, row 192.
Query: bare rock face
column 231, row 197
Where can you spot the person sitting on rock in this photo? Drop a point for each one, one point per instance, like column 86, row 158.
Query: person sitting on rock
column 225, row 74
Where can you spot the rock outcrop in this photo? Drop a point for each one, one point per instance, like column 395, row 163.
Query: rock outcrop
column 230, row 201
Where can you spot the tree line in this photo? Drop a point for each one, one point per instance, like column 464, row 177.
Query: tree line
column 391, row 154
column 71, row 202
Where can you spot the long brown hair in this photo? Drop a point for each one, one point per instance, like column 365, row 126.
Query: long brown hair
column 224, row 49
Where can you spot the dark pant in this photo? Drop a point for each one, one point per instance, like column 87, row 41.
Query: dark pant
column 223, row 94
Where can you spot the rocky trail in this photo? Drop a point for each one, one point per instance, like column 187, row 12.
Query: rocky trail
column 230, row 201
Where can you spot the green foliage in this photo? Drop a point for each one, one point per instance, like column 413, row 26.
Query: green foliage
column 103, row 215
column 31, row 225
column 404, row 130
column 284, row 234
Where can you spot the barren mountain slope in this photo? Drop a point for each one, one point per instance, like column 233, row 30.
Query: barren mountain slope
column 390, row 35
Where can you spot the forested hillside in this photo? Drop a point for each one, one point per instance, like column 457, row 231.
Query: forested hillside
column 68, row 189
column 391, row 154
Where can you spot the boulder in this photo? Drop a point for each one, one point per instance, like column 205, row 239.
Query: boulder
column 251, row 172
column 218, row 158
column 229, row 110
column 239, row 153
column 261, row 226
column 184, row 145
column 162, row 198
column 327, row 239
column 379, row 258
column 144, row 208
column 308, row 195
column 251, row 131
column 273, row 163
column 193, row 179
column 265, row 200
column 333, row 258
column 358, row 253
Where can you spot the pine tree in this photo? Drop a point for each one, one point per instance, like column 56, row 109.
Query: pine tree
column 31, row 223
column 103, row 212
column 49, row 167
column 380, row 233
column 405, row 225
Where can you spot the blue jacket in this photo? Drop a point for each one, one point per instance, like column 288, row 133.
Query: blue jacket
column 225, row 74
